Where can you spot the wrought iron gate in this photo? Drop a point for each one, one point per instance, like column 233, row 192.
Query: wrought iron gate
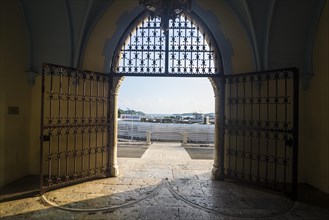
column 74, row 126
column 261, row 128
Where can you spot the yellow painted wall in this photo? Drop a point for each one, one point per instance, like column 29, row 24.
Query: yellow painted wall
column 314, row 120
column 231, row 27
column 93, row 58
column 34, row 147
column 313, row 149
column 14, row 91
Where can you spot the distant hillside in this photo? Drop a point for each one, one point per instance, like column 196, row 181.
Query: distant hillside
column 130, row 111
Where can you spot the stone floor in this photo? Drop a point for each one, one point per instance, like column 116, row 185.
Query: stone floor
column 165, row 183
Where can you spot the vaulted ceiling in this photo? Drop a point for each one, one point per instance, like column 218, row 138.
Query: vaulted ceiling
column 280, row 31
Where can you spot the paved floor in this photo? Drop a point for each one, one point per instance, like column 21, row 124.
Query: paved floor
column 164, row 184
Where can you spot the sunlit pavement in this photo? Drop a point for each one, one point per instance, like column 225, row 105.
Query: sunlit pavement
column 165, row 183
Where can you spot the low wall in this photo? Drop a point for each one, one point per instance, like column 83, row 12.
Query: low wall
column 196, row 133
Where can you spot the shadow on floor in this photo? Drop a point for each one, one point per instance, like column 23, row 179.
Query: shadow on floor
column 131, row 151
column 200, row 153
column 25, row 187
column 190, row 197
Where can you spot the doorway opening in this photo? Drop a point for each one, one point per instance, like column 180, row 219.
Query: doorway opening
column 256, row 118
column 187, row 49
column 166, row 110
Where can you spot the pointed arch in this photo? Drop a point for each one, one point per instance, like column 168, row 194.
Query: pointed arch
column 188, row 48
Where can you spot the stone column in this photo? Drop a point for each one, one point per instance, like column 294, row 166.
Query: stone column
column 113, row 142
column 185, row 137
column 148, row 137
column 218, row 167
column 115, row 83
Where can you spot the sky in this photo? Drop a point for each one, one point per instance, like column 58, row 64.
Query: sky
column 159, row 95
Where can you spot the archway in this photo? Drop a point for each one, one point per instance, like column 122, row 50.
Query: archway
column 250, row 130
column 187, row 49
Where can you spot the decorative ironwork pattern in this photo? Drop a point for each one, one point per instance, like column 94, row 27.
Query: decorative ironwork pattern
column 261, row 124
column 74, row 127
column 185, row 49
column 144, row 49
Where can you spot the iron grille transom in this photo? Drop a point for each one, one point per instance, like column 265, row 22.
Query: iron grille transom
column 185, row 49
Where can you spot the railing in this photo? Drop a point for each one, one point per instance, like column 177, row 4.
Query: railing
column 185, row 133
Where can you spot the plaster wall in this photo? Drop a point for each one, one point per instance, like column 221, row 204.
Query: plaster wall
column 313, row 149
column 115, row 20
column 19, row 134
column 314, row 108
column 14, row 92
column 93, row 58
column 241, row 54
column 34, row 132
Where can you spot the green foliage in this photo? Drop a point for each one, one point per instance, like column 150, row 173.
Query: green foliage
column 130, row 111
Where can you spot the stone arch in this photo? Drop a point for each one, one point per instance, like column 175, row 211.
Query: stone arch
column 188, row 47
column 233, row 41
column 128, row 61
column 105, row 38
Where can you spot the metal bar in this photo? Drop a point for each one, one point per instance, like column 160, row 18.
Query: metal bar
column 179, row 44
column 69, row 69
column 288, row 131
column 185, row 44
column 86, row 125
column 83, row 118
column 171, row 50
column 159, row 28
column 141, row 50
column 244, row 124
column 166, row 34
column 51, row 118
column 197, row 48
column 203, row 53
column 60, row 122
column 148, row 46
column 42, row 128
column 259, row 134
column 154, row 48
column 261, row 72
column 276, row 124
column 167, row 75
column 161, row 50
column 97, row 126
column 75, row 124
column 267, row 120
column 222, row 125
column 89, row 122
column 109, row 109
column 230, row 118
column 191, row 48
column 68, row 97
column 209, row 58
column 129, row 63
column 102, row 128
column 251, row 119
column 142, row 47
column 136, row 54
column 235, row 130
column 286, row 124
column 295, row 134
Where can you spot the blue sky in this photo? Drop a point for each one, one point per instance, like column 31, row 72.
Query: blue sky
column 167, row 95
